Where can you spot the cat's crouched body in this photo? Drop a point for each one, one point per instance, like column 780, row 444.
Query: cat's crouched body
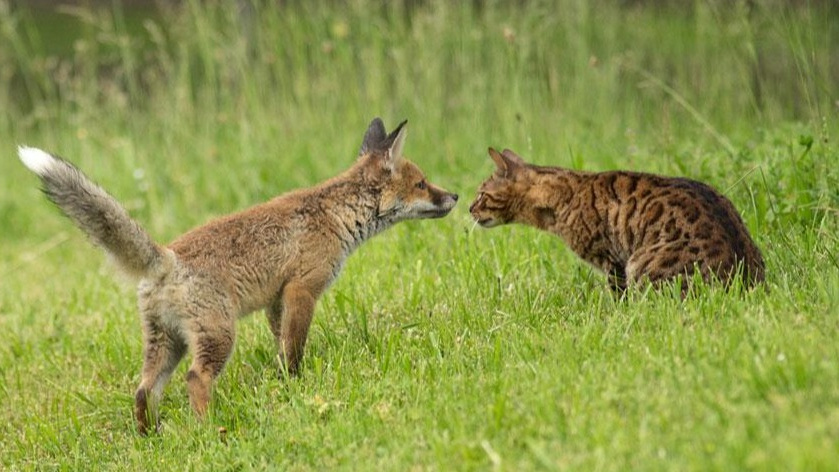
column 633, row 226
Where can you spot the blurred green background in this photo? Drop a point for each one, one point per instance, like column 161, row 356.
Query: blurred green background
column 441, row 346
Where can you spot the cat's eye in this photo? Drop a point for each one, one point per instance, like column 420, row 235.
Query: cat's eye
column 421, row 185
column 491, row 202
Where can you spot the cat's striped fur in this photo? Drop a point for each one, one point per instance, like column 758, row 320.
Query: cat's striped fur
column 632, row 226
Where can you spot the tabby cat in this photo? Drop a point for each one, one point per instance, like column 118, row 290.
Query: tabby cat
column 635, row 227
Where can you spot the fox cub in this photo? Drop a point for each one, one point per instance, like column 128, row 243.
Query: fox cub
column 279, row 255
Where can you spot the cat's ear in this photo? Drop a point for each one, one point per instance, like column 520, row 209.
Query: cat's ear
column 512, row 156
column 506, row 166
column 373, row 138
column 499, row 161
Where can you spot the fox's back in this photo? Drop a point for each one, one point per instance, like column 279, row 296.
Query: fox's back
column 253, row 252
column 247, row 236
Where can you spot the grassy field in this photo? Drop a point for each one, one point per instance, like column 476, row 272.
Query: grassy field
column 442, row 346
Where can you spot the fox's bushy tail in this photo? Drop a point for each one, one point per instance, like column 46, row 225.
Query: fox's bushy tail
column 97, row 213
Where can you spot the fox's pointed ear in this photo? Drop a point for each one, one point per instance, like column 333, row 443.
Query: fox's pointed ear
column 374, row 137
column 507, row 165
column 396, row 141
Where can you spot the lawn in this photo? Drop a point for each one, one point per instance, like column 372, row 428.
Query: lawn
column 442, row 346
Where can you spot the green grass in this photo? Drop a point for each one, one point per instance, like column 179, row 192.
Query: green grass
column 441, row 346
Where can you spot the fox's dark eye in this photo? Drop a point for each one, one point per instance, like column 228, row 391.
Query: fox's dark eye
column 421, row 185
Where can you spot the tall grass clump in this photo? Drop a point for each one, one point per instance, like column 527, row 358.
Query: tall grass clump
column 441, row 346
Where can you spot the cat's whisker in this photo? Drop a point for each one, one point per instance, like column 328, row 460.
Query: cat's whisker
column 474, row 225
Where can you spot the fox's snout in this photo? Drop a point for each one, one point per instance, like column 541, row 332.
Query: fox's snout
column 449, row 200
column 442, row 202
column 443, row 196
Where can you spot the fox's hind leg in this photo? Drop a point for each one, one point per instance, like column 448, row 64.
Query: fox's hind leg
column 163, row 349
column 212, row 336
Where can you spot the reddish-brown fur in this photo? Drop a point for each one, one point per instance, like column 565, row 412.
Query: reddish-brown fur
column 632, row 226
column 280, row 255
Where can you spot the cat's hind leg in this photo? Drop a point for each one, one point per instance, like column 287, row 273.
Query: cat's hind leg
column 662, row 262
column 617, row 280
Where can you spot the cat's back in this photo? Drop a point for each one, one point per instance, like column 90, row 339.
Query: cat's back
column 689, row 216
column 679, row 203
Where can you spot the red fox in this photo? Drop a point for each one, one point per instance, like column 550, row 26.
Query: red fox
column 279, row 255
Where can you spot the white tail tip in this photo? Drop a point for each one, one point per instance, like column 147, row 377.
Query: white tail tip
column 36, row 160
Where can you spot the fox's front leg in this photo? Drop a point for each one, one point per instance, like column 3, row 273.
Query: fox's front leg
column 274, row 313
column 290, row 317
